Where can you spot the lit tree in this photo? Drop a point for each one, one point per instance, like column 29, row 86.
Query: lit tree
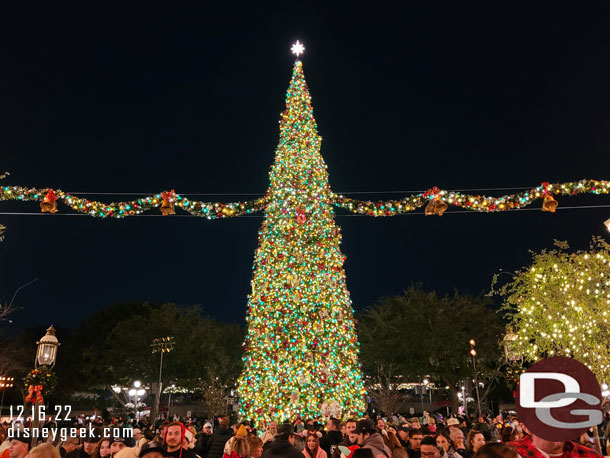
column 559, row 306
column 301, row 336
column 301, row 350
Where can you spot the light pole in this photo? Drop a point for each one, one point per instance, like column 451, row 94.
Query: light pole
column 137, row 391
column 169, row 400
column 464, row 401
column 46, row 355
column 427, row 385
column 473, row 353
column 5, row 382
column 163, row 345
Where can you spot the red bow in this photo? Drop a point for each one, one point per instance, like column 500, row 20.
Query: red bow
column 51, row 196
column 168, row 195
column 432, row 191
column 545, row 187
column 34, row 395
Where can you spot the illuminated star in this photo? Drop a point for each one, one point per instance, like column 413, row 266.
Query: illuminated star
column 297, row 48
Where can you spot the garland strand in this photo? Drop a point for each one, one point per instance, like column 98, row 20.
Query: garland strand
column 166, row 201
column 438, row 200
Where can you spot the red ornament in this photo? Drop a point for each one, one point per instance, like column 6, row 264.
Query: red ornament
column 301, row 218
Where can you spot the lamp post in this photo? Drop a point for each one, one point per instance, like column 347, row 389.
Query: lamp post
column 137, row 391
column 473, row 353
column 162, row 345
column 5, row 382
column 47, row 349
column 169, row 400
column 464, row 400
column 427, row 385
column 46, row 355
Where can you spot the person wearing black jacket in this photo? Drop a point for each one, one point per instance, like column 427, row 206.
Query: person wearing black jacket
column 283, row 444
column 216, row 443
column 333, row 437
column 203, row 437
column 88, row 448
column 350, row 437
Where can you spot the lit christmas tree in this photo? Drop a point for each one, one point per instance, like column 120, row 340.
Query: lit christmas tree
column 301, row 350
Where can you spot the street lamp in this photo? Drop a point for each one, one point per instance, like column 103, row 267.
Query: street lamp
column 47, row 349
column 427, row 385
column 46, row 354
column 169, row 400
column 137, row 392
column 163, row 345
column 473, row 353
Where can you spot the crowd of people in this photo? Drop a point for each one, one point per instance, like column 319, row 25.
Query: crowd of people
column 391, row 437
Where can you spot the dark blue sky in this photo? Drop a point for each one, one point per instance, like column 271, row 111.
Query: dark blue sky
column 147, row 98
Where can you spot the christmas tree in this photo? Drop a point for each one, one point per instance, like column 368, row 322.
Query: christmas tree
column 301, row 350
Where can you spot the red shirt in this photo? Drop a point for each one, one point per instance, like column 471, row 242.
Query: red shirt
column 570, row 450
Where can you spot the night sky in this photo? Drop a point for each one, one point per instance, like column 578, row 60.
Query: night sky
column 146, row 98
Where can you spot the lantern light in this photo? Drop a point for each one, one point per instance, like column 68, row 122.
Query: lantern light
column 47, row 349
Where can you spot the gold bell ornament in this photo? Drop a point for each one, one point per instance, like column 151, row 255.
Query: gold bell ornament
column 549, row 204
column 167, row 207
column 49, row 204
column 436, row 207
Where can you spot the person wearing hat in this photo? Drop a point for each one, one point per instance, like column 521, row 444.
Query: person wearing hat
column 283, row 444
column 116, row 445
column 368, row 437
column 453, row 423
column 175, row 434
column 403, row 435
column 202, row 438
column 241, row 432
column 88, row 448
column 20, row 447
column 151, row 449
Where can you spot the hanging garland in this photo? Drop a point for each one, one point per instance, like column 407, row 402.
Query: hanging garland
column 38, row 382
column 166, row 201
column 438, row 200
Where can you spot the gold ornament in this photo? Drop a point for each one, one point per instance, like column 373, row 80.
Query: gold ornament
column 436, row 207
column 49, row 204
column 549, row 204
column 167, row 207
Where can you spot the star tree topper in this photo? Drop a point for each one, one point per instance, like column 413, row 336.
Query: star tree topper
column 297, row 48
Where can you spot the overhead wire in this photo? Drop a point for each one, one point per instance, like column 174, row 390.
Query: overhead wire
column 96, row 193
column 337, row 215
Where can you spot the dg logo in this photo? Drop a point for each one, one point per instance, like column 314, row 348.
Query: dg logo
column 558, row 399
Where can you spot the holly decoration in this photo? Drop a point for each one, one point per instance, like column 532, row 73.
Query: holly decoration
column 42, row 376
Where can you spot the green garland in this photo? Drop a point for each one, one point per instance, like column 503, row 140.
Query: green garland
column 44, row 377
